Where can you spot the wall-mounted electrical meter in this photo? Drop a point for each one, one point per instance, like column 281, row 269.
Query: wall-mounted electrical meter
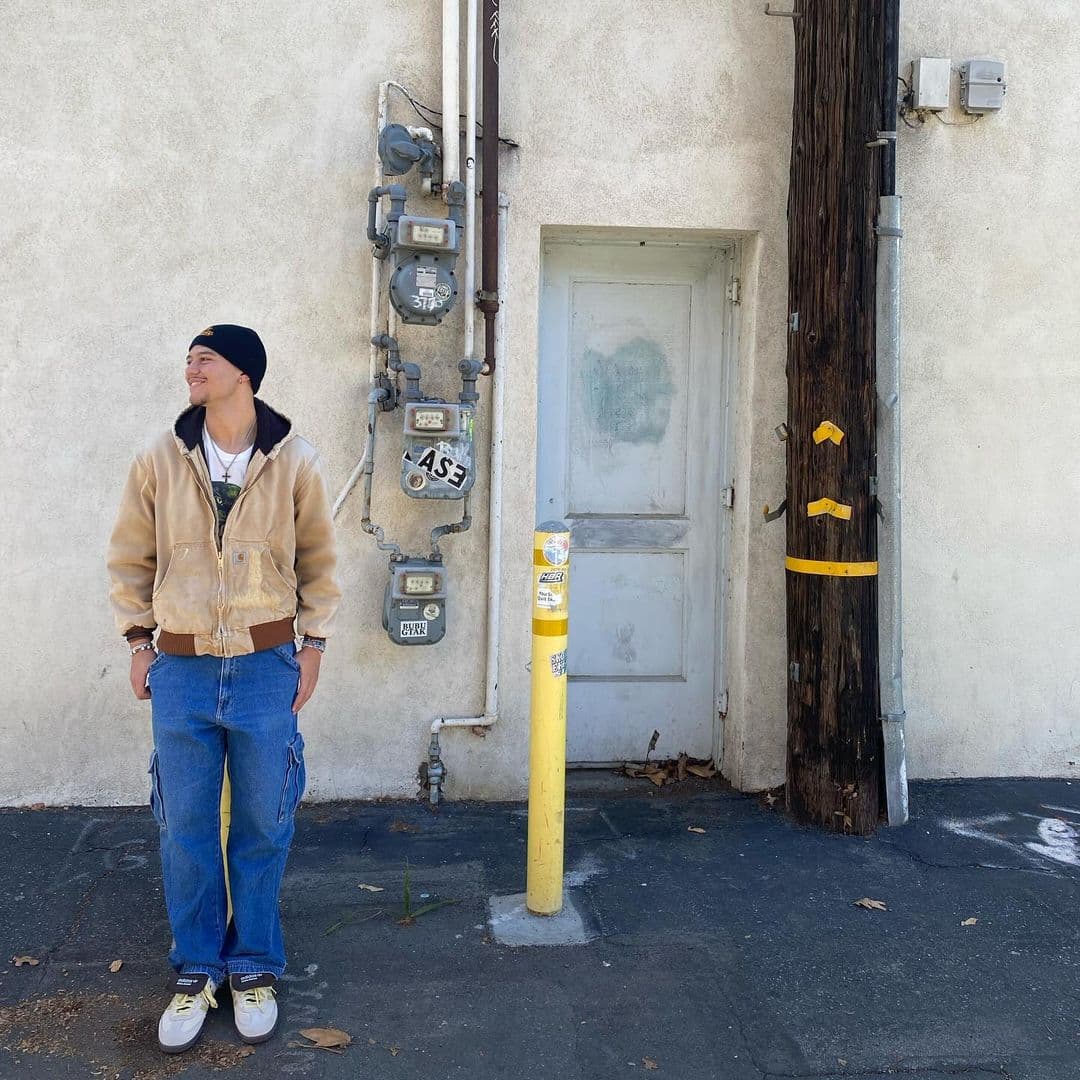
column 982, row 85
column 438, row 462
column 423, row 287
column 414, row 608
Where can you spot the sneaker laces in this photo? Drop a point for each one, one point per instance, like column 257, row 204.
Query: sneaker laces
column 256, row 995
column 182, row 1004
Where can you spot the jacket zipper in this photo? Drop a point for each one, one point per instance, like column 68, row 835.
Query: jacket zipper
column 220, row 547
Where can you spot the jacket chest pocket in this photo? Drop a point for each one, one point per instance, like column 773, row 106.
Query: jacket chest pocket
column 258, row 589
column 185, row 597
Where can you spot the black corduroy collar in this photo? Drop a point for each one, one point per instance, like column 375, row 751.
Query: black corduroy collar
column 271, row 427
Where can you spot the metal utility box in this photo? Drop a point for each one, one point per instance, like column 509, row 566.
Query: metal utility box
column 438, row 462
column 931, row 83
column 414, row 605
column 982, row 85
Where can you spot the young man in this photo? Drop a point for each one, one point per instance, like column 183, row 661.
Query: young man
column 223, row 538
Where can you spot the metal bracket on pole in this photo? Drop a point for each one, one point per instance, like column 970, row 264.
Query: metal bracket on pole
column 782, row 14
column 883, row 139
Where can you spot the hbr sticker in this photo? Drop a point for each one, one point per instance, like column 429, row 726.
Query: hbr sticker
column 557, row 549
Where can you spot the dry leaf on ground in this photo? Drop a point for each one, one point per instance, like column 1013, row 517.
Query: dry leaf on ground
column 871, row 905
column 245, row 1051
column 703, row 772
column 116, row 965
column 695, row 828
column 403, row 826
column 332, row 1039
column 394, row 1050
column 969, row 922
column 649, row 1063
column 28, row 961
column 371, row 888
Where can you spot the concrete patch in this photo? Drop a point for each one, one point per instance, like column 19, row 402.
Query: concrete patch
column 513, row 924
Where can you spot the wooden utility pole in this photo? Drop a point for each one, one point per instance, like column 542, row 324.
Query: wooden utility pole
column 834, row 733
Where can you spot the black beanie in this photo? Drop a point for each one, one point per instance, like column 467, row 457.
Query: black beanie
column 240, row 346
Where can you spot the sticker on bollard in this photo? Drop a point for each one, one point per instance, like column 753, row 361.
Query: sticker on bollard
column 557, row 549
column 558, row 664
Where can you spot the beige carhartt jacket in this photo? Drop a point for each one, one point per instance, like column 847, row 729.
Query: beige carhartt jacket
column 277, row 557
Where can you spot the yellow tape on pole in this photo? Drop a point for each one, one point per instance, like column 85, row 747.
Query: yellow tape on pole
column 828, row 430
column 547, row 741
column 830, row 507
column 832, row 569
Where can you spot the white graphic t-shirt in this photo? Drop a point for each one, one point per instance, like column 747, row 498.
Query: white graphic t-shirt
column 227, row 473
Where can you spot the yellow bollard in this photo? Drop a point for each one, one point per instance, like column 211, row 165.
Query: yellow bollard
column 226, row 820
column 547, row 741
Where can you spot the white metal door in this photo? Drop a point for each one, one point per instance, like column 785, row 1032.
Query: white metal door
column 632, row 455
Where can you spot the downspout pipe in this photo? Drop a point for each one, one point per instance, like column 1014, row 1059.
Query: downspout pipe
column 436, row 769
column 487, row 299
column 890, row 592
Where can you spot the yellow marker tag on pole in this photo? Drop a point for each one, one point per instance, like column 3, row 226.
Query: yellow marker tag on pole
column 827, row 430
column 831, row 569
column 830, row 507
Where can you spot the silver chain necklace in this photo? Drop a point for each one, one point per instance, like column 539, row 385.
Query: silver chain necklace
column 225, row 468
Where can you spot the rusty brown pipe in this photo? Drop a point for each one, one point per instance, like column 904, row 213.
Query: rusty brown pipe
column 487, row 299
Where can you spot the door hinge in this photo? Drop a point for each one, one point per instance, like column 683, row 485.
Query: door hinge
column 722, row 704
column 728, row 496
column 734, row 291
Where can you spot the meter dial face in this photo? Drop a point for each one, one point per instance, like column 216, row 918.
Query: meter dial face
column 433, row 235
column 429, row 419
column 419, row 584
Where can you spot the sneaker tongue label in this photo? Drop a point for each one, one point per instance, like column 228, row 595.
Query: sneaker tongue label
column 189, row 984
column 250, row 979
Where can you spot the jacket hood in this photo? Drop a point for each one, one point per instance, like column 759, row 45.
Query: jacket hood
column 271, row 427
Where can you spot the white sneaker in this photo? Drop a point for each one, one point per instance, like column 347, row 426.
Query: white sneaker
column 254, row 1005
column 181, row 1023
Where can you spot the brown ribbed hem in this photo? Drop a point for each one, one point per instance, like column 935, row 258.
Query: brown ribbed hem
column 263, row 636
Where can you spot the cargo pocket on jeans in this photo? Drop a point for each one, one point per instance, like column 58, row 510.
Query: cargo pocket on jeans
column 295, row 778
column 157, row 805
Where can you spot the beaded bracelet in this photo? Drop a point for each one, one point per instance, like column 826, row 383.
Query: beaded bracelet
column 142, row 648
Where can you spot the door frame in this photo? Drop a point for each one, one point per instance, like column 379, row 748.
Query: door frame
column 729, row 251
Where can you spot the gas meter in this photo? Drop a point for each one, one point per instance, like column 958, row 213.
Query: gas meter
column 422, row 286
column 438, row 462
column 414, row 609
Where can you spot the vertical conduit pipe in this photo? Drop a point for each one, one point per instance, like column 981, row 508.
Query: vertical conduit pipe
column 470, row 178
column 489, row 290
column 436, row 769
column 451, row 107
column 890, row 593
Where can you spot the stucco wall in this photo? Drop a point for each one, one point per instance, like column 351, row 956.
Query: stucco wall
column 991, row 323
column 168, row 167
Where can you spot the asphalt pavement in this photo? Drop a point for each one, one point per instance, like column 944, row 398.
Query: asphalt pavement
column 718, row 940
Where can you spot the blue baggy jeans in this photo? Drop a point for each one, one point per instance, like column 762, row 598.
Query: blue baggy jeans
column 204, row 708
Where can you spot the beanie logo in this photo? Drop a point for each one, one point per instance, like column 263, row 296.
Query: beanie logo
column 208, row 332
